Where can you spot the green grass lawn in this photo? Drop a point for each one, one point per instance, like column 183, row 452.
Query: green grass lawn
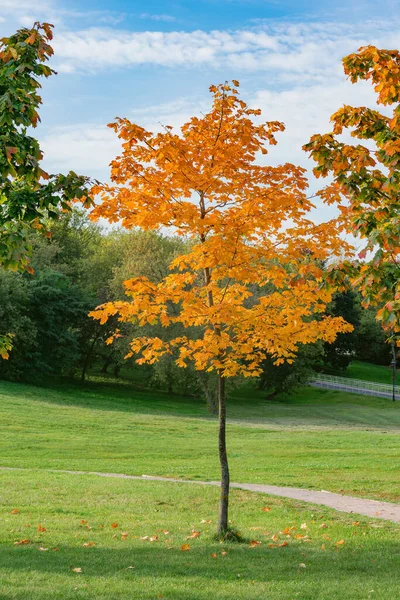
column 369, row 372
column 336, row 555
column 314, row 439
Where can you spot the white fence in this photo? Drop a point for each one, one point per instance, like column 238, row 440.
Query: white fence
column 355, row 386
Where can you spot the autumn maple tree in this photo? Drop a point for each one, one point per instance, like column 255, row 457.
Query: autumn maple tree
column 367, row 176
column 251, row 283
column 28, row 195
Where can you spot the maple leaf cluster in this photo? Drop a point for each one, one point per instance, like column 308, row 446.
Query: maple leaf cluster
column 251, row 283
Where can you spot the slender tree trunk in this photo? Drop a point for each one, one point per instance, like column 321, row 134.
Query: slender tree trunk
column 223, row 458
column 87, row 358
column 106, row 364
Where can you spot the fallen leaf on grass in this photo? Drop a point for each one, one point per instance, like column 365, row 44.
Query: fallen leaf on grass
column 41, row 529
column 77, row 570
column 214, row 555
column 266, row 509
column 22, row 542
column 208, row 521
column 254, row 543
column 302, row 566
column 89, row 544
column 14, row 511
column 323, row 526
column 288, row 530
column 339, row 543
column 185, row 547
column 224, row 553
column 194, row 534
column 124, row 535
column 278, row 545
column 114, row 525
column 299, row 536
column 303, row 526
column 355, row 523
column 145, row 537
column 275, row 537
column 43, row 549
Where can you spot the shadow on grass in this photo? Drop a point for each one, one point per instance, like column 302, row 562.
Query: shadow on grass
column 302, row 408
column 369, row 559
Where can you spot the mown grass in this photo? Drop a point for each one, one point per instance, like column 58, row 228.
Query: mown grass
column 314, row 439
column 369, row 372
column 339, row 555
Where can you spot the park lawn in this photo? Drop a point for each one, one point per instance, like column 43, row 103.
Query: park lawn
column 369, row 372
column 314, row 439
column 336, row 556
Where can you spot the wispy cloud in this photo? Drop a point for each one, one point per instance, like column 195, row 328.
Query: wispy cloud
column 155, row 17
column 307, row 50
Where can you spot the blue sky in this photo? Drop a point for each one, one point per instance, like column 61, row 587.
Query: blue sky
column 153, row 62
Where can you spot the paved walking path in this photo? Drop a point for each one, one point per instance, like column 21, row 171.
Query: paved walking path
column 369, row 508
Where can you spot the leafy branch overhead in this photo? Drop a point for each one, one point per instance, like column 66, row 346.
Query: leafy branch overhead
column 27, row 193
column 369, row 177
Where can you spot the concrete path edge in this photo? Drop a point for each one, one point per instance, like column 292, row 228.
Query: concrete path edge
column 370, row 508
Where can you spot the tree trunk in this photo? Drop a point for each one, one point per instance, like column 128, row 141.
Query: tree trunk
column 211, row 398
column 223, row 458
column 106, row 364
column 87, row 358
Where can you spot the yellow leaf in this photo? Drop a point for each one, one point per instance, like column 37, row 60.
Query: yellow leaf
column 194, row 534
column 185, row 547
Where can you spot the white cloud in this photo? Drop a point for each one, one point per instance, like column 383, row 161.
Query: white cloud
column 301, row 49
column 84, row 148
column 165, row 18
column 11, row 6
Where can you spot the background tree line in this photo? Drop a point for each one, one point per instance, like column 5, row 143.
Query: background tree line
column 82, row 265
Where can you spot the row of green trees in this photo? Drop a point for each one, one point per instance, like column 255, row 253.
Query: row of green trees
column 82, row 266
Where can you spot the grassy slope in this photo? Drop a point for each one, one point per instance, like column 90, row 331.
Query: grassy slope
column 369, row 372
column 365, row 566
column 314, row 439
